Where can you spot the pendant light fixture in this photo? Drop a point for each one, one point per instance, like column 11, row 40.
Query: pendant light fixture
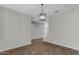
column 42, row 15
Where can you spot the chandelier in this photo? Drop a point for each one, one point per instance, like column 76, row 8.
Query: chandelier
column 42, row 15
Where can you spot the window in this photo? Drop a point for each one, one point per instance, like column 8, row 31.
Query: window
column 46, row 29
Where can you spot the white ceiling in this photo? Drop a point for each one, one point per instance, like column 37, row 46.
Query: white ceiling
column 34, row 9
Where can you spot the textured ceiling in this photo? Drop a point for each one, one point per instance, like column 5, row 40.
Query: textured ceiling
column 34, row 9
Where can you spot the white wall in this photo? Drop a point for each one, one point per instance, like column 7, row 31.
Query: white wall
column 14, row 29
column 64, row 29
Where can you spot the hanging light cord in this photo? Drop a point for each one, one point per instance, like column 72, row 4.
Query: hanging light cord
column 42, row 7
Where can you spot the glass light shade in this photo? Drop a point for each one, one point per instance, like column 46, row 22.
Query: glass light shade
column 42, row 16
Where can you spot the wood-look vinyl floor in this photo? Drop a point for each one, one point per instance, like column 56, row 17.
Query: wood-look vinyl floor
column 50, row 49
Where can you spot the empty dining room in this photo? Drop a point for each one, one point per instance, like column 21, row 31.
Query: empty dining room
column 39, row 29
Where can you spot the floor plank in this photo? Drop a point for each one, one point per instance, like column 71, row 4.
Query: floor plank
column 49, row 49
